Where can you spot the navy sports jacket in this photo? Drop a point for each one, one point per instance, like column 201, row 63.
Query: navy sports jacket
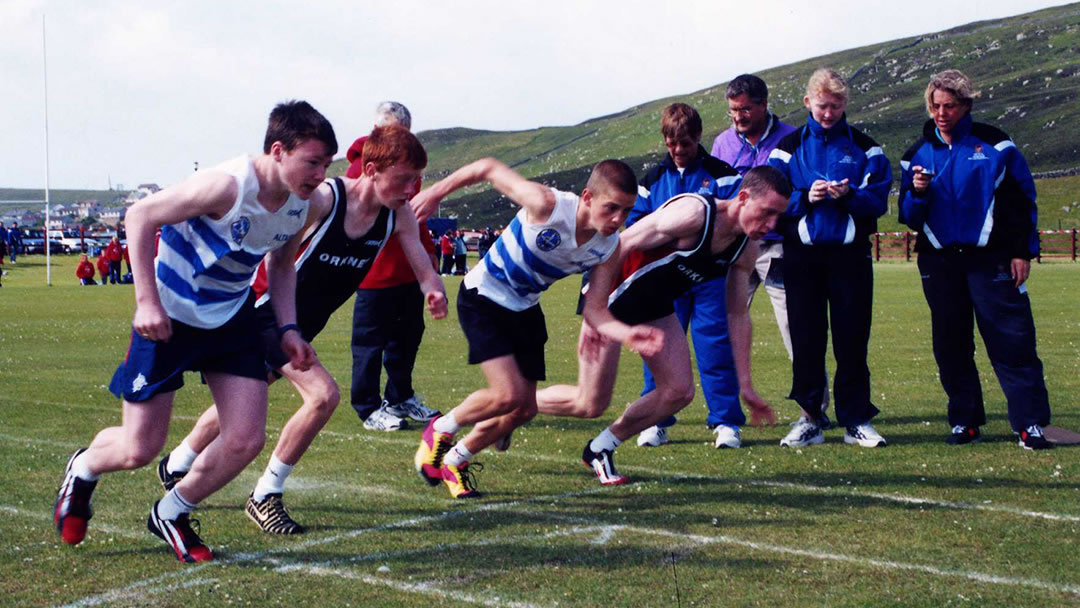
column 834, row 154
column 707, row 175
column 981, row 195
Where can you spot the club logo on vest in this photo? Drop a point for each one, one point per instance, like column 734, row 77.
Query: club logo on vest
column 240, row 229
column 294, row 212
column 978, row 155
column 548, row 239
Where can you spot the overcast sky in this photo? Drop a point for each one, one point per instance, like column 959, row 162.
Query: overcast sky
column 138, row 91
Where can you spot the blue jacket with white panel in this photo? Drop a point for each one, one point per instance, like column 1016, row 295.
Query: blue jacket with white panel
column 834, row 154
column 707, row 175
column 981, row 195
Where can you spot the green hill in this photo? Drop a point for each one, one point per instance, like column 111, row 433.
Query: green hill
column 1027, row 67
column 56, row 197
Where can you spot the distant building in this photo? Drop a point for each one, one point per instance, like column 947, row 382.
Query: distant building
column 111, row 216
column 143, row 191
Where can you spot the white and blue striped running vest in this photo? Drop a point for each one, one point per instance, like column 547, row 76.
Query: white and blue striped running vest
column 527, row 258
column 204, row 266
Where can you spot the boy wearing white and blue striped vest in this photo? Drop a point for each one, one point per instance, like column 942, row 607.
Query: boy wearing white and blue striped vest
column 555, row 234
column 194, row 312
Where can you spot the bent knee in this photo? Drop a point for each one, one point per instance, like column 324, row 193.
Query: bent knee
column 141, row 455
column 678, row 396
column 524, row 413
column 326, row 400
column 512, row 402
column 246, row 445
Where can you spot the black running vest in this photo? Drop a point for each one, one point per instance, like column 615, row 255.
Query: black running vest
column 653, row 279
column 330, row 265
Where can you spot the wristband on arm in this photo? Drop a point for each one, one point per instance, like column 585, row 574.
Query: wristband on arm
column 281, row 331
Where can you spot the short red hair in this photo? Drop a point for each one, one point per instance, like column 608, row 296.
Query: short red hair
column 394, row 145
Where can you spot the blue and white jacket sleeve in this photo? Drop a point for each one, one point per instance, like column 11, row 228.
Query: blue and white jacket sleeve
column 1018, row 189
column 914, row 208
column 780, row 158
column 644, row 204
column 870, row 197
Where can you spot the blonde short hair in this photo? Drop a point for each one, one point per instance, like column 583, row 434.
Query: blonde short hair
column 951, row 81
column 824, row 80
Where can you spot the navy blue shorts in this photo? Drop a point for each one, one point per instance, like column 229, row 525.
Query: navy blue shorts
column 267, row 327
column 152, row 368
column 493, row 331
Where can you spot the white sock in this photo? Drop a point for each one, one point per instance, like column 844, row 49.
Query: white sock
column 80, row 469
column 458, row 455
column 447, row 424
column 273, row 479
column 181, row 458
column 173, row 505
column 606, row 440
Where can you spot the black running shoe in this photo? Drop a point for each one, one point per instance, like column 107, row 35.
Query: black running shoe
column 1032, row 438
column 963, row 434
column 168, row 480
column 177, row 533
column 73, row 510
column 603, row 464
column 271, row 515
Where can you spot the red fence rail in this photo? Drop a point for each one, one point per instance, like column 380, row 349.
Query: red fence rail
column 1053, row 244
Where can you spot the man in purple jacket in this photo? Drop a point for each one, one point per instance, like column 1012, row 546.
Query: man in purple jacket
column 754, row 132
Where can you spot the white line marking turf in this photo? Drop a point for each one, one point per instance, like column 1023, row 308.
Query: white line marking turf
column 608, row 531
column 143, row 587
column 98, row 529
column 898, row 498
column 860, row 561
column 842, row 490
column 424, row 588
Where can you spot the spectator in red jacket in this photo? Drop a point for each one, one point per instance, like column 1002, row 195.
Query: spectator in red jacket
column 446, row 245
column 114, row 253
column 103, row 267
column 388, row 316
column 85, row 271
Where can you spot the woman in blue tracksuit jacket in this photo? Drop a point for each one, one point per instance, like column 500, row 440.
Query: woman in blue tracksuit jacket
column 968, row 191
column 840, row 180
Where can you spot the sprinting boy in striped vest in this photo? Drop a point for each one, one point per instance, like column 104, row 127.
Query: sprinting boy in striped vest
column 554, row 235
column 195, row 311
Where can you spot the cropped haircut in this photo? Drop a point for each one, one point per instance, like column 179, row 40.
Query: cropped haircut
column 680, row 120
column 394, row 145
column 760, row 180
column 294, row 121
column 751, row 86
column 951, row 81
column 614, row 174
column 391, row 112
column 824, row 80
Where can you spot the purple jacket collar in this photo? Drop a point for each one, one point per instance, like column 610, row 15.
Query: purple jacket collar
column 732, row 148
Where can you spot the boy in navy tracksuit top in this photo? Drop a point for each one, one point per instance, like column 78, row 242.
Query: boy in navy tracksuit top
column 968, row 191
column 840, row 180
column 688, row 168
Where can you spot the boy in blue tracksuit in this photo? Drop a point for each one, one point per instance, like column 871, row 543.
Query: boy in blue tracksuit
column 967, row 189
column 688, row 167
column 840, row 179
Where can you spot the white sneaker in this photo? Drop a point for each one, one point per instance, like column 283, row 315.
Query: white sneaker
column 864, row 435
column 382, row 420
column 412, row 408
column 652, row 437
column 727, row 437
column 803, row 433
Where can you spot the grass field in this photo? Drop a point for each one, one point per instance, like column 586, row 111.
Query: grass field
column 917, row 523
